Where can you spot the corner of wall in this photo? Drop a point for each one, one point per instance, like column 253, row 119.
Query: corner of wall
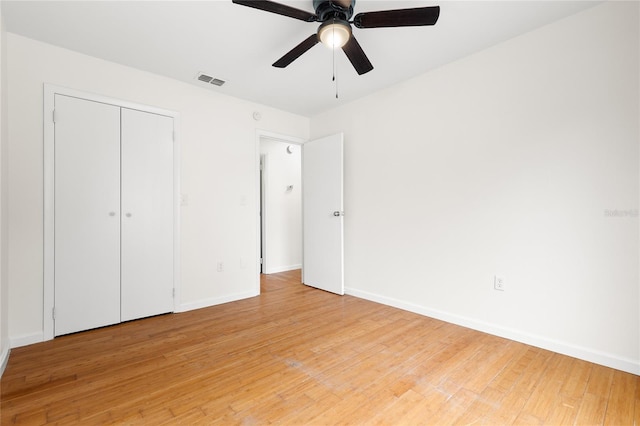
column 4, row 303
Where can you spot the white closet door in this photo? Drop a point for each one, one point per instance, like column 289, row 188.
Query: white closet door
column 147, row 214
column 87, row 215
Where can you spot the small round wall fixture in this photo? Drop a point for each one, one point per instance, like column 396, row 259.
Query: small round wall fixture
column 290, row 149
column 257, row 116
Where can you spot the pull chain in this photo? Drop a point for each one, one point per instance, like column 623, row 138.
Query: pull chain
column 333, row 63
column 335, row 68
column 335, row 72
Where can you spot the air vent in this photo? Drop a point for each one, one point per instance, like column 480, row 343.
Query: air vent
column 209, row 80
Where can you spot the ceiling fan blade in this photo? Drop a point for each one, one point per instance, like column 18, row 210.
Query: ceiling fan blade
column 398, row 18
column 357, row 56
column 280, row 9
column 297, row 51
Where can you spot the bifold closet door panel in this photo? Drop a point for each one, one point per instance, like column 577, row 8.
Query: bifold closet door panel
column 87, row 215
column 147, row 214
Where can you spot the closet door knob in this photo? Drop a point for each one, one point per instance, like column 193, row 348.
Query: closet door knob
column 128, row 214
column 112, row 213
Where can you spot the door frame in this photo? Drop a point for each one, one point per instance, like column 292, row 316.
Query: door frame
column 50, row 90
column 277, row 137
column 262, row 264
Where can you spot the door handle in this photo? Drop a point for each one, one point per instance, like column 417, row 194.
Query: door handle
column 128, row 214
column 338, row 213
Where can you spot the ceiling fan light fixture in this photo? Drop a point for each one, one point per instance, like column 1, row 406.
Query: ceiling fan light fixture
column 335, row 33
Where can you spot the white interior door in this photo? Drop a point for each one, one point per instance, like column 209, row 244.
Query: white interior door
column 147, row 214
column 87, row 215
column 322, row 213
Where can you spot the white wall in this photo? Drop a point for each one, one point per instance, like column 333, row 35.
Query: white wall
column 505, row 162
column 283, row 208
column 512, row 161
column 4, row 311
column 218, row 174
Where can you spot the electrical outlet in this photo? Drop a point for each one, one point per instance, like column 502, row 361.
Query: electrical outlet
column 220, row 267
column 498, row 283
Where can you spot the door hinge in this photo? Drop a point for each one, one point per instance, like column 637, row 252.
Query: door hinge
column 173, row 293
column 173, row 136
column 53, row 312
column 53, row 115
column 261, row 261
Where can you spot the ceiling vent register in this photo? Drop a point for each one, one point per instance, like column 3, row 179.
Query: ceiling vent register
column 210, row 80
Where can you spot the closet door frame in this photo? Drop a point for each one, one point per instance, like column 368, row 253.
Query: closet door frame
column 50, row 91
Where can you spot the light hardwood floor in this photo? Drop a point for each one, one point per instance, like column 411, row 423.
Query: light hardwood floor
column 300, row 356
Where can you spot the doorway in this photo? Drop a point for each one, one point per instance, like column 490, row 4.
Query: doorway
column 280, row 205
column 321, row 162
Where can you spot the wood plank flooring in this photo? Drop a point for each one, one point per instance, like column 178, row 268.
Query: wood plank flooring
column 300, row 356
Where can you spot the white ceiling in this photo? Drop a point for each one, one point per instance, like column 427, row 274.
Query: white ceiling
column 238, row 44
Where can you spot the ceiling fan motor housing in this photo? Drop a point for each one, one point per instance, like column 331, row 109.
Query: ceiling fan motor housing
column 334, row 9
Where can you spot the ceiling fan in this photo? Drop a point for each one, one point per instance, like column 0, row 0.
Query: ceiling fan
column 335, row 28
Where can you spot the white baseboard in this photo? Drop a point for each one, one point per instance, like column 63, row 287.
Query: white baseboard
column 205, row 303
column 26, row 339
column 282, row 269
column 597, row 357
column 4, row 359
column 29, row 339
